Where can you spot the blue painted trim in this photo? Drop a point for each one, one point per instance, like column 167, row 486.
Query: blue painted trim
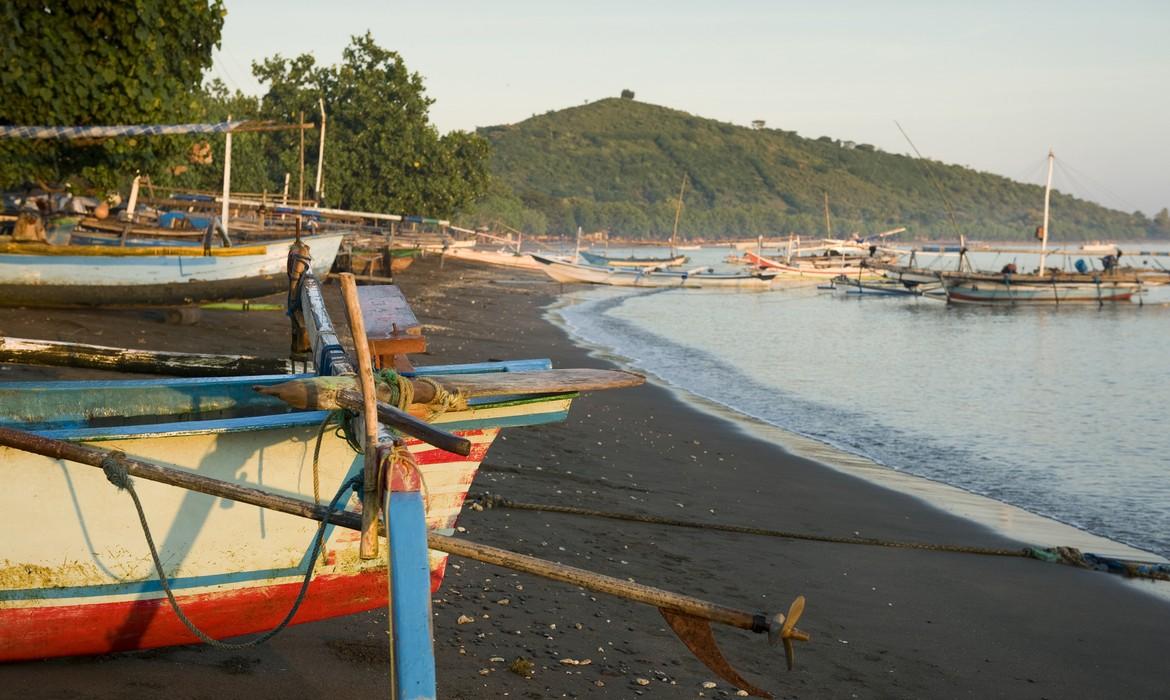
column 414, row 647
column 483, row 367
column 179, row 382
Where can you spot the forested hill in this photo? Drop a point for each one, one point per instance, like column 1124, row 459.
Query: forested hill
column 617, row 165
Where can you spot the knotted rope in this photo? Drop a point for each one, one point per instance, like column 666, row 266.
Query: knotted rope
column 117, row 474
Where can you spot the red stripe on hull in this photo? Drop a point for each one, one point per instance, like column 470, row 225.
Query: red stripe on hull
column 100, row 628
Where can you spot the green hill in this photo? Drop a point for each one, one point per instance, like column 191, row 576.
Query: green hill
column 617, row 164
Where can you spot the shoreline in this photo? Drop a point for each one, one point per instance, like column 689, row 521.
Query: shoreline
column 884, row 623
column 1007, row 519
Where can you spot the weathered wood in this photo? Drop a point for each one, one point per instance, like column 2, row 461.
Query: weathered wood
column 178, row 364
column 403, row 421
column 394, row 330
column 553, row 381
column 321, row 392
column 108, row 251
column 371, row 496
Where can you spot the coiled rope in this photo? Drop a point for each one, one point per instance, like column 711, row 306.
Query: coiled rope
column 118, row 475
column 1064, row 555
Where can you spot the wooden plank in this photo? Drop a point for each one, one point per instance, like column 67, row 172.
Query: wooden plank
column 387, row 313
column 324, row 392
column 392, row 328
column 371, row 495
column 179, row 364
column 553, row 381
column 107, row 251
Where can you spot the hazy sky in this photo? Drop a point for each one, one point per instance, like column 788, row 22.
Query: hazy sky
column 990, row 85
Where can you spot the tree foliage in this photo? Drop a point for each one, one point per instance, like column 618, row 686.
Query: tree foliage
column 381, row 151
column 616, row 164
column 95, row 62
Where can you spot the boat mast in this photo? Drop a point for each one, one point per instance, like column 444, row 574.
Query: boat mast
column 828, row 228
column 1044, row 227
column 677, row 213
column 227, row 179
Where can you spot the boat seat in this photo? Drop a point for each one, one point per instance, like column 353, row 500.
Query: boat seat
column 392, row 329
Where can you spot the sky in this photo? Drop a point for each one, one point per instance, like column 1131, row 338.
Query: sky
column 989, row 85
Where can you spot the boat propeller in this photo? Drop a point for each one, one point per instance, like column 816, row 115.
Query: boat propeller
column 696, row 633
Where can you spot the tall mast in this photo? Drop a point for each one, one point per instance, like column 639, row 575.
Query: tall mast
column 828, row 228
column 677, row 213
column 1044, row 227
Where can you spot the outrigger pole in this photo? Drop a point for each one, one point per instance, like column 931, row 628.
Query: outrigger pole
column 689, row 617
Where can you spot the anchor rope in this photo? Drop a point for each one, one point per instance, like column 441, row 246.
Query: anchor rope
column 1065, row 555
column 118, row 475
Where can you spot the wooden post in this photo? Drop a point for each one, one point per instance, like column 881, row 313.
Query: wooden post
column 319, row 189
column 370, row 487
column 301, row 171
column 227, row 178
column 132, row 203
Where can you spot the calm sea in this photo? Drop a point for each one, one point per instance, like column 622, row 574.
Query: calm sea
column 1059, row 411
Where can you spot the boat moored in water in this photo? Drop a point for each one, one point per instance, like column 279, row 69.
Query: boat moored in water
column 702, row 278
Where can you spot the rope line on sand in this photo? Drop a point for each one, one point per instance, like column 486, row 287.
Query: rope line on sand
column 1064, row 555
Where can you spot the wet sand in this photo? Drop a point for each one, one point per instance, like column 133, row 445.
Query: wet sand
column 885, row 623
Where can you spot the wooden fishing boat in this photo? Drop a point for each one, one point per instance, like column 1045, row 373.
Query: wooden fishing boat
column 887, row 287
column 1045, row 285
column 703, row 278
column 501, row 258
column 824, row 265
column 634, row 262
column 42, row 275
column 81, row 584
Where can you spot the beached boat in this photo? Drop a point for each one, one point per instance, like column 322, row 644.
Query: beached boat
column 634, row 262
column 80, row 583
column 703, row 278
column 42, row 275
column 1045, row 285
column 502, row 258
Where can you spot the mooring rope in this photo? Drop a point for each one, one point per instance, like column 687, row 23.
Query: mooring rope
column 1065, row 555
column 118, row 475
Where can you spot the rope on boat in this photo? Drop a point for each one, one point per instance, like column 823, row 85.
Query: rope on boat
column 1064, row 555
column 118, row 475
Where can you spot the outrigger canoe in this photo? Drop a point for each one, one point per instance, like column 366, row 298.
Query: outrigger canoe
column 703, row 278
column 42, row 275
column 75, row 575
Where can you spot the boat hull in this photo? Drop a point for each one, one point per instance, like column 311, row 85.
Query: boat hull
column 827, row 268
column 130, row 280
column 82, row 582
column 993, row 293
column 635, row 263
column 589, row 274
column 492, row 257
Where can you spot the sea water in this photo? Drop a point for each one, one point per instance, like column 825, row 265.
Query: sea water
column 1059, row 411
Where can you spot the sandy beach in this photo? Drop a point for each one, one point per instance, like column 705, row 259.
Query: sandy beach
column 885, row 623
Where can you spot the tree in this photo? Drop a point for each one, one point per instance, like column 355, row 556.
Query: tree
column 1161, row 224
column 627, row 94
column 97, row 62
column 381, row 152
